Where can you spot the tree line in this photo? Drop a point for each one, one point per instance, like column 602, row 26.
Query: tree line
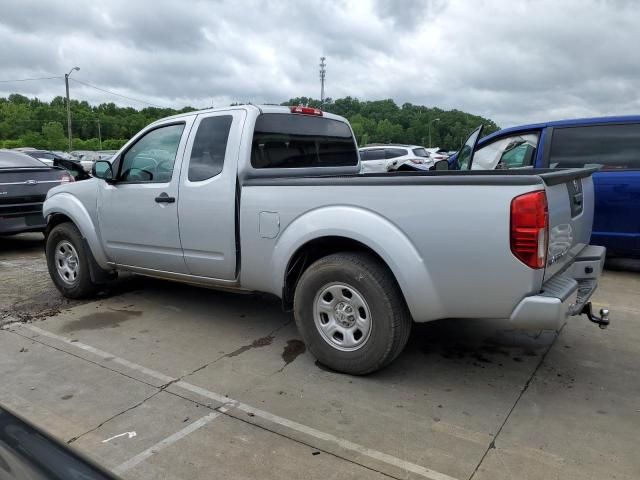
column 30, row 122
column 383, row 121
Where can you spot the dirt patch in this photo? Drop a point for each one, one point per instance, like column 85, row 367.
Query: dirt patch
column 27, row 293
column 99, row 320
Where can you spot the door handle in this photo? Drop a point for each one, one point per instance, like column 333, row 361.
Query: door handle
column 164, row 198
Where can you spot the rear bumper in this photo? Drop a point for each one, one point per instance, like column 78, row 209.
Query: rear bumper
column 19, row 218
column 562, row 296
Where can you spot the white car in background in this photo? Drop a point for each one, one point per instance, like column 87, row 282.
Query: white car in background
column 390, row 157
column 437, row 154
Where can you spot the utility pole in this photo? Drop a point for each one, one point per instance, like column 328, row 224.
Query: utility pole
column 434, row 120
column 323, row 74
column 99, row 135
column 66, row 82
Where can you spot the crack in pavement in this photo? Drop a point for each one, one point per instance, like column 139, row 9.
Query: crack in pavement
column 525, row 387
column 225, row 355
column 73, row 439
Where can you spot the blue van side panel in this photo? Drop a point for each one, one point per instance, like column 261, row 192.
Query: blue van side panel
column 616, row 222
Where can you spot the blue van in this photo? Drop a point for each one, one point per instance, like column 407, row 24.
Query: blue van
column 612, row 143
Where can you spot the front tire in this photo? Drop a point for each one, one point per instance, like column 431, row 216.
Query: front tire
column 351, row 313
column 68, row 263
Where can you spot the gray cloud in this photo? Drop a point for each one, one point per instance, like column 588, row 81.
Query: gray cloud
column 511, row 61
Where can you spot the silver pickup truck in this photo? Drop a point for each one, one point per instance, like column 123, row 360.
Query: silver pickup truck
column 269, row 199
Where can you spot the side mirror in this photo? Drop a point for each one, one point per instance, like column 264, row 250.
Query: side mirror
column 441, row 165
column 102, row 169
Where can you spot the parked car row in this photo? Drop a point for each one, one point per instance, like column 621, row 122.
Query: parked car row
column 85, row 158
column 24, row 183
column 611, row 144
column 26, row 174
column 393, row 157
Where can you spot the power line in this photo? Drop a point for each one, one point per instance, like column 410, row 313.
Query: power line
column 116, row 94
column 29, row 79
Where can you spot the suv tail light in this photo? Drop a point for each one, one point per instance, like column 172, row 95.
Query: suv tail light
column 529, row 228
column 307, row 111
column 66, row 178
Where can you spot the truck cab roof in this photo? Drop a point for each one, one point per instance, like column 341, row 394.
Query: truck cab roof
column 259, row 109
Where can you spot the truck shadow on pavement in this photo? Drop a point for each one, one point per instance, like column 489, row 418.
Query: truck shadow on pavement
column 18, row 244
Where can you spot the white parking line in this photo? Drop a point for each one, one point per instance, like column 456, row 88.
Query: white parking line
column 229, row 404
column 101, row 353
column 142, row 456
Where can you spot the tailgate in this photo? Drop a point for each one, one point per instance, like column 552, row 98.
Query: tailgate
column 570, row 201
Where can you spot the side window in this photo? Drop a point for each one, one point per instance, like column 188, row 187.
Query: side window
column 611, row 146
column 519, row 154
column 394, row 152
column 209, row 147
column 152, row 157
column 516, row 151
column 377, row 154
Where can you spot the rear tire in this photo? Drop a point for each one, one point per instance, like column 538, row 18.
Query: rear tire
column 351, row 313
column 68, row 263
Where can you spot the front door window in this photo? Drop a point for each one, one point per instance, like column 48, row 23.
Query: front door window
column 152, row 157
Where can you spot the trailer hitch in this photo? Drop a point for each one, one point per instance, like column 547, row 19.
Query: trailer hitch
column 602, row 321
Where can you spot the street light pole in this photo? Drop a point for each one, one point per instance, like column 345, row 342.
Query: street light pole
column 434, row 120
column 66, row 82
column 99, row 135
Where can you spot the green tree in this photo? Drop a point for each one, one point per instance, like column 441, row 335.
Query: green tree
column 54, row 136
column 31, row 122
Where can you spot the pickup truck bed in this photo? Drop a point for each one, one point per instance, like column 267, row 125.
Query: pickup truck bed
column 415, row 218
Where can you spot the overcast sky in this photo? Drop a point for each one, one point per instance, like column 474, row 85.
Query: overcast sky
column 514, row 61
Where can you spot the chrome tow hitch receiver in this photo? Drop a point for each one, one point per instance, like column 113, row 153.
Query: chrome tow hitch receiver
column 602, row 321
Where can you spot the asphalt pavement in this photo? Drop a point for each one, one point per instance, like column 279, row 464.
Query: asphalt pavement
column 158, row 380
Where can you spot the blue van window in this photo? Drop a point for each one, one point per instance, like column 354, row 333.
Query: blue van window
column 612, row 146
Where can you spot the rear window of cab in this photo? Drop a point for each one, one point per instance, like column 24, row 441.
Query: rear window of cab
column 282, row 140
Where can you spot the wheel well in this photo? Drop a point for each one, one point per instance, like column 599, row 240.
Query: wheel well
column 55, row 219
column 314, row 250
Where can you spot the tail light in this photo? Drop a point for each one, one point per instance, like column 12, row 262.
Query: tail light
column 529, row 228
column 416, row 160
column 66, row 178
column 307, row 111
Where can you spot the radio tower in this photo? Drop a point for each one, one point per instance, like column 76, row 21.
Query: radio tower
column 323, row 73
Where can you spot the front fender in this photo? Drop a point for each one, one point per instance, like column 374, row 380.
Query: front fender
column 377, row 233
column 67, row 204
